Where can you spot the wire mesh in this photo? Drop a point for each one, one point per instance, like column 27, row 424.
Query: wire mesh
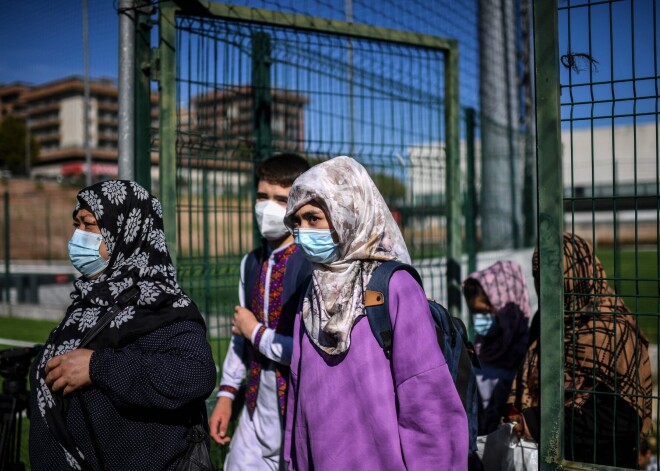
column 329, row 96
column 609, row 130
column 326, row 95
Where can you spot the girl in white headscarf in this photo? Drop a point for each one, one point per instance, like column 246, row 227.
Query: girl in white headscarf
column 350, row 407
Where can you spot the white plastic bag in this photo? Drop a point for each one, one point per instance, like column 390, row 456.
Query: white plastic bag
column 502, row 450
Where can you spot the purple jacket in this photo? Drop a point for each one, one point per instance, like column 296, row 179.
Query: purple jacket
column 355, row 412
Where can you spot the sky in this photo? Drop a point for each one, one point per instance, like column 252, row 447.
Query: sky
column 44, row 43
column 42, row 40
column 622, row 38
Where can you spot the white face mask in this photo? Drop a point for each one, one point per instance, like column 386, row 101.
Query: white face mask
column 270, row 218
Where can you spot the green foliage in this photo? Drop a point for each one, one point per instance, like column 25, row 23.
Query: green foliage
column 389, row 186
column 12, row 145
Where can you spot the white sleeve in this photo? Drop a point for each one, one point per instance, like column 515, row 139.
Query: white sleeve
column 233, row 368
column 274, row 346
column 241, row 283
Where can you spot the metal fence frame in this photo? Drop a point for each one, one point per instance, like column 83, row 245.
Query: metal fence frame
column 553, row 201
column 167, row 85
column 550, row 229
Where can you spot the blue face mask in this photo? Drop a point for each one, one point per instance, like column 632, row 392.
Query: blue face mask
column 84, row 253
column 317, row 245
column 482, row 322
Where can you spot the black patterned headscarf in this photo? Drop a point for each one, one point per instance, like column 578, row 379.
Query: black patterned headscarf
column 131, row 224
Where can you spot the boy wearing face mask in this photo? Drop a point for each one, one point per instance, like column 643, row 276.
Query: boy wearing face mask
column 273, row 279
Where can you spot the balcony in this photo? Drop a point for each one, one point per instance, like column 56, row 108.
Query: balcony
column 45, row 138
column 36, row 124
column 43, row 108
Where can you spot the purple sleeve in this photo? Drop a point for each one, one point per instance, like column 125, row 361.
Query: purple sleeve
column 291, row 397
column 432, row 422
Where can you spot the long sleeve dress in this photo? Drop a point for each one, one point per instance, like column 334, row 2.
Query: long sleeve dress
column 138, row 406
column 257, row 440
column 363, row 411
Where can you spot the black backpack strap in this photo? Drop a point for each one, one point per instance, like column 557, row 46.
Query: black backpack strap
column 376, row 301
column 465, row 364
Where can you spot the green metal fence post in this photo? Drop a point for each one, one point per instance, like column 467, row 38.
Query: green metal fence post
column 261, row 103
column 48, row 231
column 551, row 224
column 471, row 194
column 142, row 164
column 453, row 184
column 7, row 255
column 167, row 136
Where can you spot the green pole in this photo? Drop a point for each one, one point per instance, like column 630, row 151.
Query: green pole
column 453, row 182
column 48, row 238
column 167, row 98
column 142, row 164
column 7, row 274
column 471, row 197
column 262, row 101
column 550, row 224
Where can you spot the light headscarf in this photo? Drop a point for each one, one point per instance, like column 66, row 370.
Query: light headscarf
column 367, row 235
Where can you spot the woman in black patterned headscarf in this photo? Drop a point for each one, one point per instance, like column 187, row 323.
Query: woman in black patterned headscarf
column 128, row 397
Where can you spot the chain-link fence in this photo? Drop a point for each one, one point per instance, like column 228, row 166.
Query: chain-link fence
column 597, row 66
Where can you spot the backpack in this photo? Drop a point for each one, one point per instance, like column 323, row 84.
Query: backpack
column 451, row 332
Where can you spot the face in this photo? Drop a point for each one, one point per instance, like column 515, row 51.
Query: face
column 480, row 304
column 279, row 195
column 272, row 192
column 85, row 221
column 311, row 216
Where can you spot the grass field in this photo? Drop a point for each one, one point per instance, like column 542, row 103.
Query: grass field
column 635, row 275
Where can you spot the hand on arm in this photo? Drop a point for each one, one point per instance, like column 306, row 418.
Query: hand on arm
column 69, row 372
column 244, row 322
column 219, row 420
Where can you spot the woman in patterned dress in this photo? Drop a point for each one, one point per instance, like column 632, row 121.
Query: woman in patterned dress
column 127, row 399
column 607, row 371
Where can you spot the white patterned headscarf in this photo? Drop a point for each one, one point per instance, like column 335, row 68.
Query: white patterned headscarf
column 367, row 235
column 131, row 224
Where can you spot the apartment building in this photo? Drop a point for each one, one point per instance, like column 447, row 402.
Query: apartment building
column 55, row 117
column 225, row 118
column 221, row 122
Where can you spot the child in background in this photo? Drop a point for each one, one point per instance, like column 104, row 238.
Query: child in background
column 498, row 300
column 273, row 278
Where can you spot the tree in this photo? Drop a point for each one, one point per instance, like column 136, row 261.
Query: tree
column 12, row 146
column 389, row 186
